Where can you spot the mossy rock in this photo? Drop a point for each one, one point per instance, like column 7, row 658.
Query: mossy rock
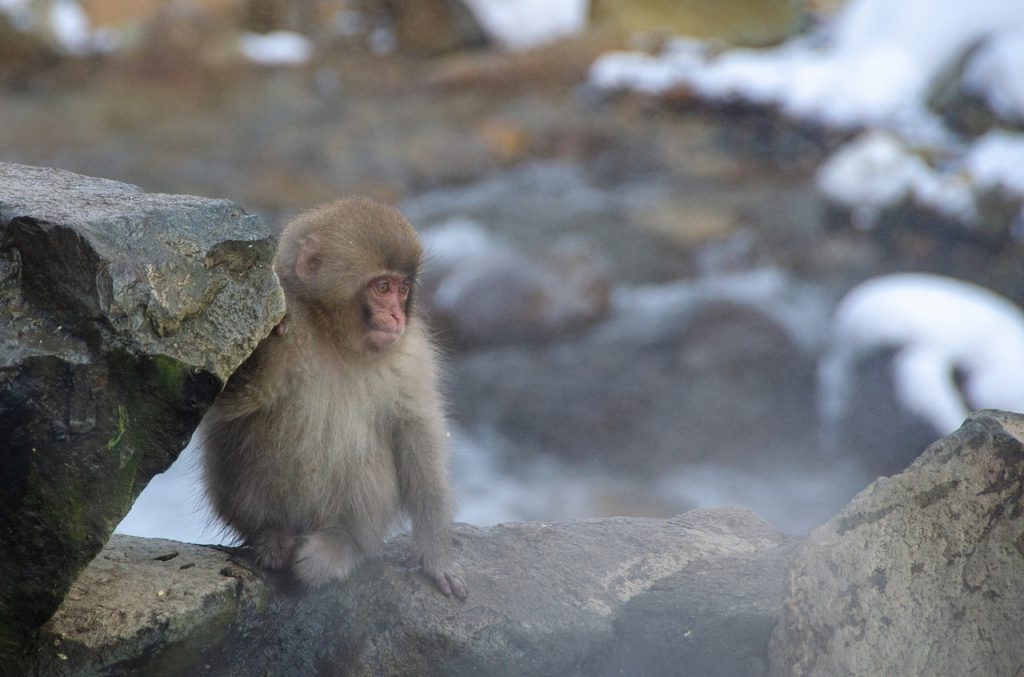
column 124, row 314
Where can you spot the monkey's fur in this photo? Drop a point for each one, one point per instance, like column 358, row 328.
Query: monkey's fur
column 323, row 438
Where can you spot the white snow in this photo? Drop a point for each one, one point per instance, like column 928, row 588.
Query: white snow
column 996, row 160
column 879, row 170
column 648, row 73
column 277, row 48
column 996, row 73
column 519, row 24
column 937, row 325
column 872, row 65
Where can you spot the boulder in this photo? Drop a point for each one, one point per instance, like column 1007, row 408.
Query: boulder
column 503, row 296
column 920, row 574
column 123, row 314
column 646, row 393
column 695, row 594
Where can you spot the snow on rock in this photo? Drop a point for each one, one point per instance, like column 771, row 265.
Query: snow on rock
column 648, row 73
column 520, row 24
column 70, row 27
column 939, row 326
column 277, row 48
column 996, row 160
column 879, row 170
column 874, row 64
column 996, row 74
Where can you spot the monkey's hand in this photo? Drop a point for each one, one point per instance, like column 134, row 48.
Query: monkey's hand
column 446, row 577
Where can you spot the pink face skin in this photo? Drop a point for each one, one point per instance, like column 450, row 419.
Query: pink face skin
column 385, row 303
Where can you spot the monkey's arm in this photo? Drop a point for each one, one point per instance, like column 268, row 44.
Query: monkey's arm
column 250, row 387
column 420, row 444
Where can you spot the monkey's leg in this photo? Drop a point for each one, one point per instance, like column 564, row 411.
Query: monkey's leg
column 326, row 554
column 274, row 548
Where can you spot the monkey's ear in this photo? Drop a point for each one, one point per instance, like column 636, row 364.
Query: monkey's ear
column 308, row 260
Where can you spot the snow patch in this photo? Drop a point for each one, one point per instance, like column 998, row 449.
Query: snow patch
column 996, row 160
column 520, row 24
column 872, row 65
column 277, row 48
column 996, row 74
column 938, row 325
column 879, row 170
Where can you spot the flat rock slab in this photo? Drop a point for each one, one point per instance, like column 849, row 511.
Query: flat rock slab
column 696, row 594
column 123, row 314
column 921, row 574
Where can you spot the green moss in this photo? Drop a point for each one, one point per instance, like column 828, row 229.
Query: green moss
column 121, row 424
column 168, row 377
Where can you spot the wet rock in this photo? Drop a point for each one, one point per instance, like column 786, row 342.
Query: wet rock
column 698, row 593
column 963, row 110
column 124, row 313
column 503, row 296
column 665, row 381
column 920, row 574
column 877, row 429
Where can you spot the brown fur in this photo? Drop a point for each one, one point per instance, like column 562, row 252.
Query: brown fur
column 317, row 445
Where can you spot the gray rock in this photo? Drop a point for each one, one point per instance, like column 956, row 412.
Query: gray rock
column 921, row 573
column 723, row 383
column 503, row 296
column 123, row 314
column 876, row 429
column 696, row 594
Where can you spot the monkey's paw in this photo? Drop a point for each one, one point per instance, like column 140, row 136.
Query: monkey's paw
column 446, row 578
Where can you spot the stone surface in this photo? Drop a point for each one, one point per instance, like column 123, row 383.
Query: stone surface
column 503, row 296
column 123, row 312
column 695, row 594
column 920, row 574
column 687, row 385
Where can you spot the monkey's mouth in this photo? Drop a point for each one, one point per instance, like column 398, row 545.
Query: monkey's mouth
column 381, row 339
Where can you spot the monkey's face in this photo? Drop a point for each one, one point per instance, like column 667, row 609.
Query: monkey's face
column 384, row 310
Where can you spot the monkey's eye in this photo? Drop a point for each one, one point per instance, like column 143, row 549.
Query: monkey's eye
column 382, row 286
column 404, row 289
